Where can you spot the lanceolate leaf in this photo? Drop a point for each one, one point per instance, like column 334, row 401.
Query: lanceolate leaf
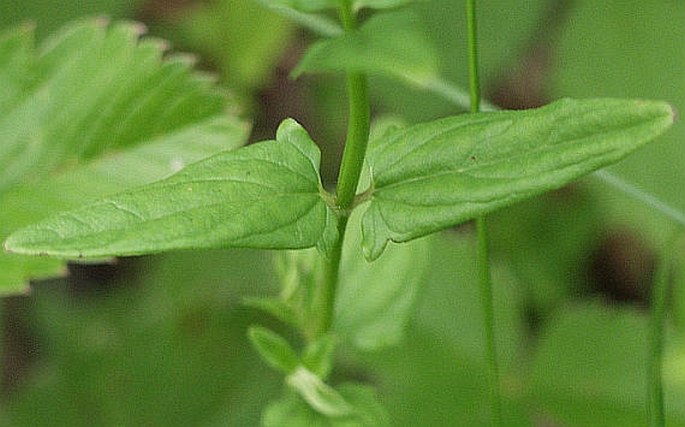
column 318, row 5
column 266, row 195
column 96, row 109
column 438, row 174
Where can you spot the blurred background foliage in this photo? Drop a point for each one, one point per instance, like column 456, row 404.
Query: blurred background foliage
column 161, row 340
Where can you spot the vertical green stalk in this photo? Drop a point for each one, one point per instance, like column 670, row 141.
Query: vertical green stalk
column 350, row 168
column 655, row 395
column 484, row 276
column 358, row 124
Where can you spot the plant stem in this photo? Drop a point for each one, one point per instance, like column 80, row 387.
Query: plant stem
column 358, row 123
column 484, row 276
column 656, row 340
column 474, row 78
column 350, row 168
column 330, row 285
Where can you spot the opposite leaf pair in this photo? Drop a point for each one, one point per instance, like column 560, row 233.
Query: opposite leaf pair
column 423, row 179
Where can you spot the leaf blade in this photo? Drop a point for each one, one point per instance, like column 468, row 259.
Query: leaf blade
column 262, row 196
column 94, row 110
column 438, row 174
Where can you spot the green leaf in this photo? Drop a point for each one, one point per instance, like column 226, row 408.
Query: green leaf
column 319, row 395
column 264, row 196
column 303, row 5
column 95, row 110
column 318, row 356
column 376, row 300
column 232, row 33
column 319, row 5
column 389, row 43
column 438, row 174
column 292, row 410
column 274, row 349
column 276, row 308
column 591, row 364
column 591, row 59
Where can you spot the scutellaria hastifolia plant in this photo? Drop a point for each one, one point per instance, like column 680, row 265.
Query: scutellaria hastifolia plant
column 419, row 180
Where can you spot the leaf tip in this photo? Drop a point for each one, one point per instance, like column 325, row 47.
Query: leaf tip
column 674, row 113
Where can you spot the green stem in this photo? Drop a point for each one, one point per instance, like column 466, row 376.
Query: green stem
column 474, row 78
column 350, row 168
column 484, row 275
column 358, row 123
column 656, row 340
column 330, row 285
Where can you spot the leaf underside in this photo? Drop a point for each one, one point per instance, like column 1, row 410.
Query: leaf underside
column 435, row 175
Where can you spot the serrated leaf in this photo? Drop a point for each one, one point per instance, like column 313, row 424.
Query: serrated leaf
column 438, row 174
column 266, row 195
column 95, row 110
column 274, row 349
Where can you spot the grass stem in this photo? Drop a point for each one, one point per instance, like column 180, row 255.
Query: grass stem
column 655, row 395
column 484, row 276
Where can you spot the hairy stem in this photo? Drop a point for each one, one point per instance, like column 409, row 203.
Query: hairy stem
column 656, row 340
column 484, row 276
column 350, row 168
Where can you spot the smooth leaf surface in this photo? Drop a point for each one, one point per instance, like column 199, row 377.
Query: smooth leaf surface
column 318, row 356
column 591, row 367
column 232, row 33
column 631, row 49
column 319, row 5
column 376, row 300
column 292, row 410
column 434, row 175
column 265, row 195
column 95, row 110
column 389, row 43
column 319, row 395
column 274, row 349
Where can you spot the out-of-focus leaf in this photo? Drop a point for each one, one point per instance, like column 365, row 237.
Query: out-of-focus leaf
column 293, row 411
column 434, row 175
column 274, row 349
column 265, row 195
column 168, row 348
column 547, row 242
column 318, row 356
column 390, row 43
column 630, row 49
column 590, row 369
column 319, row 5
column 319, row 395
column 445, row 345
column 95, row 110
column 376, row 300
column 232, row 33
column 49, row 16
